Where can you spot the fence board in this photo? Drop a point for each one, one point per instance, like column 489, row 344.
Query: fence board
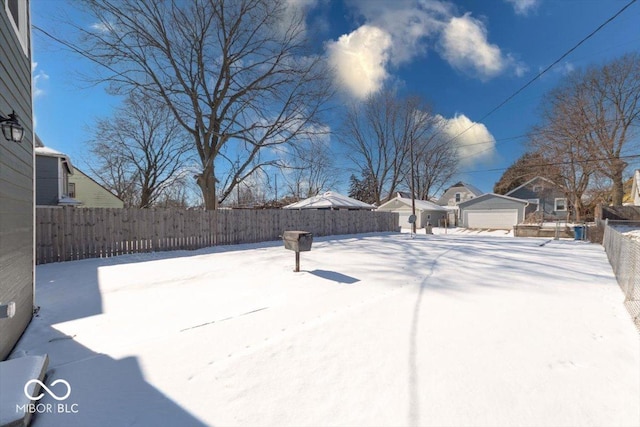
column 68, row 233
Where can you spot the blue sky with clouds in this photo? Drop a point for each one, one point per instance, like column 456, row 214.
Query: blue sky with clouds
column 464, row 57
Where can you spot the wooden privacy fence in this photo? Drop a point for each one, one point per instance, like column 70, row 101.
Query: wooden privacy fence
column 65, row 234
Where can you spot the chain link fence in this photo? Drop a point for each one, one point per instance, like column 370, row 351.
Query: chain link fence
column 623, row 251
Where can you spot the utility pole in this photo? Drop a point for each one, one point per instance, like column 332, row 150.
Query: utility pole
column 413, row 195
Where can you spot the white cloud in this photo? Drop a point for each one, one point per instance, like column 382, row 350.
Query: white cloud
column 523, row 7
column 396, row 32
column 465, row 46
column 296, row 11
column 38, row 78
column 360, row 59
column 473, row 141
column 409, row 23
column 101, row 27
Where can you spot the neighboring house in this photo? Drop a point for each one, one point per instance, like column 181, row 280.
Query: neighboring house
column 550, row 198
column 458, row 193
column 454, row 195
column 426, row 212
column 330, row 201
column 16, row 178
column 635, row 188
column 91, row 194
column 53, row 169
column 494, row 211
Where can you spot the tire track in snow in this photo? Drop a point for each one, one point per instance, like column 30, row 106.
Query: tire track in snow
column 414, row 404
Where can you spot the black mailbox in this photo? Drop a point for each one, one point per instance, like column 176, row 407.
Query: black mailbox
column 298, row 241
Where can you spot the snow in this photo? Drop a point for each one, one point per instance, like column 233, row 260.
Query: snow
column 473, row 329
column 628, row 230
column 15, row 374
column 332, row 200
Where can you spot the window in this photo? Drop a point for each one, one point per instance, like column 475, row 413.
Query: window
column 560, row 204
column 458, row 197
column 18, row 13
column 535, row 202
column 13, row 10
column 71, row 190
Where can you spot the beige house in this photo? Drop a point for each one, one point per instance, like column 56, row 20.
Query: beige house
column 427, row 213
column 92, row 195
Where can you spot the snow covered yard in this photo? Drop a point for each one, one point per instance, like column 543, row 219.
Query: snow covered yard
column 441, row 330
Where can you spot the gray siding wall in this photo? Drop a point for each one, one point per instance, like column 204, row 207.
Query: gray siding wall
column 493, row 203
column 16, row 189
column 547, row 197
column 46, row 181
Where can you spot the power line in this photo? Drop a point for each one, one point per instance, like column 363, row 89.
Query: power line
column 537, row 76
column 567, row 162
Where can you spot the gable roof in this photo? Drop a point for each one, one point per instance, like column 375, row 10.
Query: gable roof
column 530, row 181
column 330, row 200
column 475, row 190
column 490, row 195
column 422, row 205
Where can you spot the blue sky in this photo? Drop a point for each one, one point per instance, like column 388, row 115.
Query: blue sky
column 464, row 57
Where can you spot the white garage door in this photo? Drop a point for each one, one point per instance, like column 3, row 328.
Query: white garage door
column 404, row 219
column 499, row 218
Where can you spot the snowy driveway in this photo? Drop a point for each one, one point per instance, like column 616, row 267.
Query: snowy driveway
column 377, row 330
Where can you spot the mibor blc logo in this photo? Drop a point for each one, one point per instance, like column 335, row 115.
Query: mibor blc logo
column 57, row 392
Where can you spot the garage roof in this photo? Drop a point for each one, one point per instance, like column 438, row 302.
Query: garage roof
column 489, row 196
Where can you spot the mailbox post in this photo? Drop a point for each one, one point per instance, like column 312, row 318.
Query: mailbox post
column 298, row 241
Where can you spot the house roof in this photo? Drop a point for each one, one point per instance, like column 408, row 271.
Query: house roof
column 330, row 200
column 422, row 205
column 529, row 182
column 491, row 195
column 50, row 152
column 475, row 190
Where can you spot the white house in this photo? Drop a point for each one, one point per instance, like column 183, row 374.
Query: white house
column 426, row 212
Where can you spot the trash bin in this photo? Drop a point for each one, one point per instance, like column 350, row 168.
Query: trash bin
column 428, row 229
column 578, row 232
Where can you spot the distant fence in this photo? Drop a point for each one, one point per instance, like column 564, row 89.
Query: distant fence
column 65, row 234
column 623, row 252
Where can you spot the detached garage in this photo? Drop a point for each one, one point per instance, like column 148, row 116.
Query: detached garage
column 426, row 212
column 494, row 211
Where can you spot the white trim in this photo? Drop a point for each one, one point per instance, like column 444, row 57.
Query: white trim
column 555, row 204
column 23, row 26
column 536, row 202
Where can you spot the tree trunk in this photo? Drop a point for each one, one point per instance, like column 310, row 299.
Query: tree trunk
column 617, row 192
column 207, row 183
column 578, row 209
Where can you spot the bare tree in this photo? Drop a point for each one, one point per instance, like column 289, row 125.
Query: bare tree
column 234, row 73
column 379, row 134
column 310, row 169
column 590, row 122
column 612, row 114
column 143, row 146
column 114, row 173
column 563, row 140
column 436, row 161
